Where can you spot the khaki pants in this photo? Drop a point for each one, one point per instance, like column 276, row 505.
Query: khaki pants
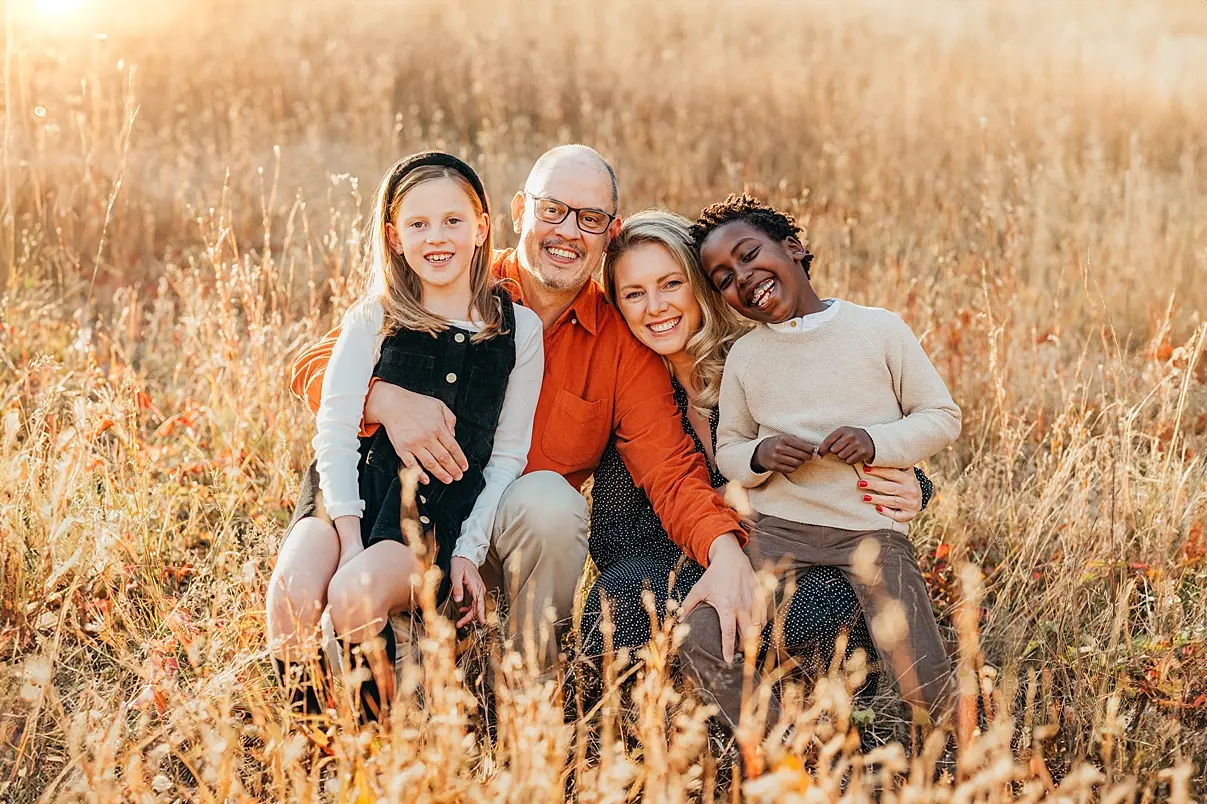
column 538, row 547
column 883, row 570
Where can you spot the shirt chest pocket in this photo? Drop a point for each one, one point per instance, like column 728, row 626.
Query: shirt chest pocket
column 577, row 431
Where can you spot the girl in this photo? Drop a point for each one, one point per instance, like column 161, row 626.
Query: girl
column 432, row 323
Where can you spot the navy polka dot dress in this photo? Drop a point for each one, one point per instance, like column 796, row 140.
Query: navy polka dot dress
column 633, row 553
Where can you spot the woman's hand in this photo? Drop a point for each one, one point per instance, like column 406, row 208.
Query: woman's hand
column 469, row 591
column 896, row 493
column 730, row 586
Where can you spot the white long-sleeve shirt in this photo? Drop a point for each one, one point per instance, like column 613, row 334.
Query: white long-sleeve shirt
column 346, row 385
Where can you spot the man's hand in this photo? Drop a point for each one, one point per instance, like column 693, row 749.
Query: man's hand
column 469, row 591
column 781, row 453
column 849, row 444
column 421, row 428
column 896, row 493
column 729, row 585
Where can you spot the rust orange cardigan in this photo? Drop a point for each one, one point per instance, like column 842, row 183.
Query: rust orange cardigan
column 599, row 381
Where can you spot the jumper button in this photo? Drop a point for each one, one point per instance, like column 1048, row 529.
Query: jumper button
column 422, row 500
column 425, row 520
column 451, row 377
column 459, row 337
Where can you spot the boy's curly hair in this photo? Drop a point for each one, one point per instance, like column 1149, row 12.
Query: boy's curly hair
column 776, row 223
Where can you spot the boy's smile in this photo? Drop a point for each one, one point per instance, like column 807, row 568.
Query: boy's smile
column 759, row 277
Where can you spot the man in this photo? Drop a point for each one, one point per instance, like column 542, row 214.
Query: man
column 599, row 382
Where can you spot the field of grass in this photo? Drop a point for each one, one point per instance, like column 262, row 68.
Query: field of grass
column 184, row 189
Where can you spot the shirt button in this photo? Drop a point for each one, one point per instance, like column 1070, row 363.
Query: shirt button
column 422, row 499
column 451, row 377
column 425, row 520
column 459, row 337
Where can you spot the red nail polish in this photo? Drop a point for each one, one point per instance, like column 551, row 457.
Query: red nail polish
column 863, row 484
column 867, row 498
column 880, row 509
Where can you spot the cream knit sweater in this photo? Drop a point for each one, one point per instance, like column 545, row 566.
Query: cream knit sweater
column 863, row 367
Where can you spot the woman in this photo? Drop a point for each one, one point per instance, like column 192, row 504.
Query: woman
column 652, row 275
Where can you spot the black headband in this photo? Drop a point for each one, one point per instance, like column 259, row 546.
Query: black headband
column 436, row 159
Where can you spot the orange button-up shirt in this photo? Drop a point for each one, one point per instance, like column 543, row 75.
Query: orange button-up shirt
column 600, row 382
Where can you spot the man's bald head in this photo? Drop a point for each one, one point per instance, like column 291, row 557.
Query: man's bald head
column 560, row 256
column 575, row 156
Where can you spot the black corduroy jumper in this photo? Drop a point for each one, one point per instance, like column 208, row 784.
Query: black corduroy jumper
column 471, row 379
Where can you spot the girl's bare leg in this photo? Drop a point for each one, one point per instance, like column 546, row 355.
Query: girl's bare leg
column 384, row 578
column 297, row 592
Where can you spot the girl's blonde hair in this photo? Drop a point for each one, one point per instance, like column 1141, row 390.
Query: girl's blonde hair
column 397, row 284
column 720, row 326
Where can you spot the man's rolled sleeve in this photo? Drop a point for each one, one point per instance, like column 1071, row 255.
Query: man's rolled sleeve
column 306, row 376
column 662, row 459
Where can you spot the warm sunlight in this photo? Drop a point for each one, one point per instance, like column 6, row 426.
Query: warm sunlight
column 59, row 7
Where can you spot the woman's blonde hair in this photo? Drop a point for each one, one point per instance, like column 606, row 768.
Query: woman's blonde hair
column 720, row 326
column 397, row 284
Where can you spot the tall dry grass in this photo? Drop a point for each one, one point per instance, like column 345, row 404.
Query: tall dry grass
column 1024, row 183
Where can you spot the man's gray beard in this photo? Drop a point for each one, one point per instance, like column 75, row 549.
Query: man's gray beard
column 559, row 282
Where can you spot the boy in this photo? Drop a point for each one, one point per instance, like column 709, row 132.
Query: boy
column 817, row 390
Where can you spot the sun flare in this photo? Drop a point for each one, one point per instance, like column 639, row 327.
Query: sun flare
column 59, row 8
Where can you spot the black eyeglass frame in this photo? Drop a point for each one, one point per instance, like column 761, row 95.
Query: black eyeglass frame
column 570, row 209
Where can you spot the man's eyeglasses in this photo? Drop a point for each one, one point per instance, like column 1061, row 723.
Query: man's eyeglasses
column 591, row 221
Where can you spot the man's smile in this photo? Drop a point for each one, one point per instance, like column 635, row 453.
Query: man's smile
column 562, row 255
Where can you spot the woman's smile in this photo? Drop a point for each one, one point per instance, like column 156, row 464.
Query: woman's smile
column 664, row 326
column 656, row 300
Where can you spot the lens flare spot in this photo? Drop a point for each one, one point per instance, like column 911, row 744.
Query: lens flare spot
column 60, row 7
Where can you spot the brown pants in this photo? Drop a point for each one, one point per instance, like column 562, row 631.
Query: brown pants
column 883, row 570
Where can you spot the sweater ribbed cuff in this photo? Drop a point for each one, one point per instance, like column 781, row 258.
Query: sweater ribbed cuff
column 735, row 464
column 885, row 445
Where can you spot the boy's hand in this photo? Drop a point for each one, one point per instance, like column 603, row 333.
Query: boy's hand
column 849, row 444
column 469, row 591
column 781, row 453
